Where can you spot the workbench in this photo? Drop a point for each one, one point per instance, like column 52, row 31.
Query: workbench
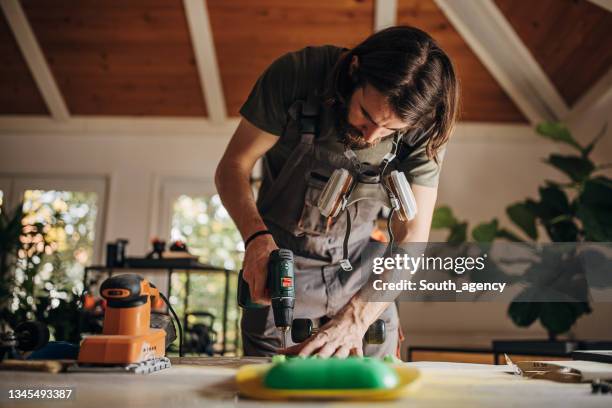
column 209, row 382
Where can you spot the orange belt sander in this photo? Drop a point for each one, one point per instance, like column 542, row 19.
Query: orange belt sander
column 127, row 342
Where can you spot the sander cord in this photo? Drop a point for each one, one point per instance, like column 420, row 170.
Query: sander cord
column 178, row 322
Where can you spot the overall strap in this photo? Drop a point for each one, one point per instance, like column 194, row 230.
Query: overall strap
column 308, row 117
column 306, row 113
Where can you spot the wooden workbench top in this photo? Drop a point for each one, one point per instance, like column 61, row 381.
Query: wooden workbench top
column 209, row 382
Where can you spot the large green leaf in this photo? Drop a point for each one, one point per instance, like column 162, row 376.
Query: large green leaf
column 563, row 231
column 575, row 167
column 553, row 202
column 580, row 308
column 443, row 218
column 485, row 232
column 510, row 236
column 557, row 214
column 557, row 132
column 524, row 216
column 523, row 314
column 458, row 233
column 595, row 209
column 558, row 317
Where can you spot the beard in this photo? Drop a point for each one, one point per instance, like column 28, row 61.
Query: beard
column 348, row 134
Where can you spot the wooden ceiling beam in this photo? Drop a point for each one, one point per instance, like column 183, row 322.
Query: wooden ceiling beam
column 385, row 14
column 604, row 4
column 206, row 58
column 599, row 94
column 35, row 59
column 494, row 41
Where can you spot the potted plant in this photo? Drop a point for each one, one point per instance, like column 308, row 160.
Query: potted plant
column 577, row 210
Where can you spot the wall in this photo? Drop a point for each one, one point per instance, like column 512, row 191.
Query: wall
column 486, row 167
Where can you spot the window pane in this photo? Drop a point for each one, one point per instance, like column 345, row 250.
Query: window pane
column 69, row 218
column 209, row 232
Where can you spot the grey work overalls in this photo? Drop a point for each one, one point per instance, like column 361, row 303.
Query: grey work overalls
column 288, row 206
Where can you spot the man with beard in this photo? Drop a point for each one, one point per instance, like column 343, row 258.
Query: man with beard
column 313, row 111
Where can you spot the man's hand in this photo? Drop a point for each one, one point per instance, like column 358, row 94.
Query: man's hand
column 255, row 267
column 340, row 337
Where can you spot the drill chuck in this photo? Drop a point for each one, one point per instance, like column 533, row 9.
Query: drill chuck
column 283, row 311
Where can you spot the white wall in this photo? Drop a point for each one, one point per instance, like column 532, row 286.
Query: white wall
column 486, row 168
column 133, row 164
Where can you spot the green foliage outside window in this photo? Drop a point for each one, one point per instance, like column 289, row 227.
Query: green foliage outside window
column 209, row 232
column 48, row 240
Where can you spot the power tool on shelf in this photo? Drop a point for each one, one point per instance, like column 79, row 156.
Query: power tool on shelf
column 281, row 287
column 128, row 342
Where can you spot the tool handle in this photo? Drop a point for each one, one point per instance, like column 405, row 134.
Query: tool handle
column 279, row 281
column 123, row 291
column 244, row 294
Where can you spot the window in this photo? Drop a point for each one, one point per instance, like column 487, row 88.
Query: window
column 50, row 264
column 193, row 213
column 69, row 218
column 207, row 229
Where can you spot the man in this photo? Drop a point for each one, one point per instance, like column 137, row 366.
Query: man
column 311, row 112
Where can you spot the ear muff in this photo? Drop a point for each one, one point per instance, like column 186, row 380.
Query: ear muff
column 334, row 193
column 398, row 184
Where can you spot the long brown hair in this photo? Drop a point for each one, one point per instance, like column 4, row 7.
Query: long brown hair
column 414, row 74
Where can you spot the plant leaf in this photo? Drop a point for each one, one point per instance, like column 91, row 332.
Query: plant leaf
column 443, row 218
column 575, row 167
column 557, row 214
column 587, row 150
column 523, row 314
column 595, row 209
column 510, row 236
column 458, row 233
column 557, row 317
column 553, row 202
column 564, row 231
column 558, row 133
column 524, row 216
column 485, row 232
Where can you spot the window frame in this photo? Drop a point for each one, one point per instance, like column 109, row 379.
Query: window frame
column 90, row 184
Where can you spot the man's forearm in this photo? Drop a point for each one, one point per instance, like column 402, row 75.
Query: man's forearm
column 234, row 187
column 362, row 309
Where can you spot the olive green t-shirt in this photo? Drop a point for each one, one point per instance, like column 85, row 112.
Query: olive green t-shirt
column 293, row 77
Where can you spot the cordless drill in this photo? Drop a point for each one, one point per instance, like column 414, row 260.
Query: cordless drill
column 281, row 288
